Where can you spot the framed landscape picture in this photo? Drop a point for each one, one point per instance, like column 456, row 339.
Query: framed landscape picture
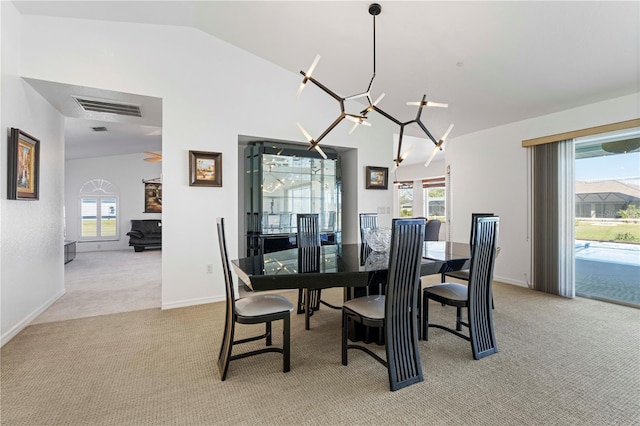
column 24, row 166
column 205, row 168
column 152, row 197
column 377, row 177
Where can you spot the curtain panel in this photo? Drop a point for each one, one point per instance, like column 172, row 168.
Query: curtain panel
column 553, row 193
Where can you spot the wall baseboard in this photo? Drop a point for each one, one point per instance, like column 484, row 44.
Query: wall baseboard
column 192, row 302
column 10, row 334
column 510, row 281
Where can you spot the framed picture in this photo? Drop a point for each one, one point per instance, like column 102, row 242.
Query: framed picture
column 24, row 166
column 152, row 197
column 205, row 168
column 377, row 177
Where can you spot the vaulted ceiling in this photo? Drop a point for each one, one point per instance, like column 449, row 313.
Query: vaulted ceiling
column 493, row 62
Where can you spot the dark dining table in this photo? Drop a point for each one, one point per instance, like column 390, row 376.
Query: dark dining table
column 341, row 265
column 351, row 266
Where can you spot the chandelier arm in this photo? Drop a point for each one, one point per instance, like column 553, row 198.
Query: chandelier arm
column 428, row 133
column 371, row 82
column 384, row 114
column 423, row 102
column 330, row 128
column 359, row 95
column 324, row 88
column 398, row 159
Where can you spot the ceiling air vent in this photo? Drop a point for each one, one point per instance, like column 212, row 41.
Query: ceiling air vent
column 111, row 107
column 99, row 129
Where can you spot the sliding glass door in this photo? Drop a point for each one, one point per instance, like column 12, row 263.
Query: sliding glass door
column 607, row 217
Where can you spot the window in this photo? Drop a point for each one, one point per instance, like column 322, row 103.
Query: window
column 98, row 211
column 405, row 199
column 434, row 198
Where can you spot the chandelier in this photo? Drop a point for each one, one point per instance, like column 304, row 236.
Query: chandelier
column 361, row 118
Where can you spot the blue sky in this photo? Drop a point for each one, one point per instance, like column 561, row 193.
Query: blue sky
column 610, row 167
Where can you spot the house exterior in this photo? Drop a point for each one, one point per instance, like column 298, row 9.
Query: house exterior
column 604, row 199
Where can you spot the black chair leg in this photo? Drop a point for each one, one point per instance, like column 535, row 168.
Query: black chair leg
column 345, row 326
column 307, row 308
column 425, row 316
column 268, row 332
column 458, row 318
column 286, row 347
column 300, row 301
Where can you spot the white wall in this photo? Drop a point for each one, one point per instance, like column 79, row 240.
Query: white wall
column 126, row 172
column 489, row 174
column 31, row 249
column 212, row 92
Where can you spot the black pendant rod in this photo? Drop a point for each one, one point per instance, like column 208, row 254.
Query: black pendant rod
column 374, row 10
column 374, row 45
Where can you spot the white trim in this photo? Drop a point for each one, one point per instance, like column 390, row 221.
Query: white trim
column 192, row 302
column 509, row 281
column 10, row 334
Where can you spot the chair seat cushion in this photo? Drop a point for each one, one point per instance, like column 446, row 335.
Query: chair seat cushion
column 462, row 275
column 262, row 304
column 450, row 291
column 367, row 306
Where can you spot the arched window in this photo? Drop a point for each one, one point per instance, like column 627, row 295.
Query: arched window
column 98, row 211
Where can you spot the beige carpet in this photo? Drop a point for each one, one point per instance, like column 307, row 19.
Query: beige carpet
column 560, row 362
column 107, row 282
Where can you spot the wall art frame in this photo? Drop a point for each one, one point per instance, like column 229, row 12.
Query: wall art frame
column 205, row 168
column 23, row 181
column 377, row 178
column 152, row 197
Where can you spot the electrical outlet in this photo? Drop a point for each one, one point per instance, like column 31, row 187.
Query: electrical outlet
column 210, row 268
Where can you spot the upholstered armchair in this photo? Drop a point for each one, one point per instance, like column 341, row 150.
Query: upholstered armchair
column 145, row 233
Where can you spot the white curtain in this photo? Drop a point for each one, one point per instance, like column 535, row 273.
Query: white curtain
column 553, row 254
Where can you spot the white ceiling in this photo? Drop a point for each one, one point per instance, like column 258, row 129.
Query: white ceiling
column 493, row 62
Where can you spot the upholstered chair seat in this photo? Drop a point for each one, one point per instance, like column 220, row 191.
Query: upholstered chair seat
column 262, row 304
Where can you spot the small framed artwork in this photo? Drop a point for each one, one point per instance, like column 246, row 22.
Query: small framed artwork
column 377, row 177
column 205, row 168
column 24, row 166
column 152, row 197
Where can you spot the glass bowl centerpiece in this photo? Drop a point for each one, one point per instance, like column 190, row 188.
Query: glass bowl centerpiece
column 378, row 239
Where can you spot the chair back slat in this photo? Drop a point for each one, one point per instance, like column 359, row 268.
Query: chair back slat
column 483, row 254
column 309, row 259
column 229, row 321
column 367, row 221
column 308, row 230
column 228, row 279
column 401, row 302
column 474, row 217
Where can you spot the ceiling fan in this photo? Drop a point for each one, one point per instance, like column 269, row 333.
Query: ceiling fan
column 155, row 157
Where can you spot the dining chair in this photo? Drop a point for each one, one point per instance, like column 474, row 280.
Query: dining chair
column 256, row 309
column 308, row 237
column 432, row 230
column 476, row 297
column 367, row 221
column 463, row 274
column 397, row 310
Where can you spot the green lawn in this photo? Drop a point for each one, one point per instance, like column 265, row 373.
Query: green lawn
column 608, row 231
column 108, row 227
